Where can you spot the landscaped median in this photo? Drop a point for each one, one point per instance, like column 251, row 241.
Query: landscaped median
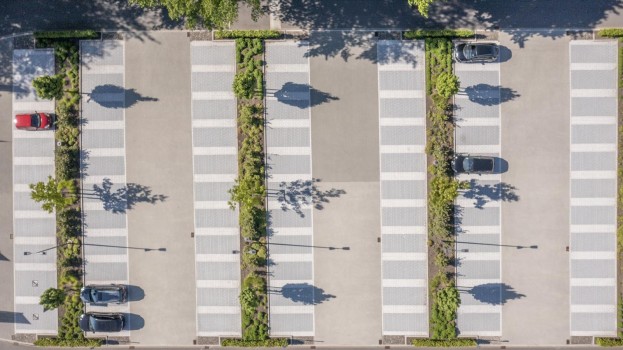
column 249, row 192
column 61, row 192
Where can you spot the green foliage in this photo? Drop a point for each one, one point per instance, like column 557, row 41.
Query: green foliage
column 49, row 87
column 422, row 6
column 52, row 298
column 441, row 259
column 206, row 13
column 55, row 194
column 438, row 33
column 446, row 301
column 67, row 135
column 447, row 85
column 91, row 343
column 67, row 162
column 444, row 343
column 267, row 343
column 257, row 34
column 609, row 341
column 244, row 85
column 611, row 33
column 67, row 34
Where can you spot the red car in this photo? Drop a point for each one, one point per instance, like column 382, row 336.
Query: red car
column 33, row 121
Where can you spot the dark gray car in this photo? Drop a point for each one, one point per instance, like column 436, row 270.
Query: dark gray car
column 104, row 294
column 476, row 52
column 465, row 163
column 102, row 322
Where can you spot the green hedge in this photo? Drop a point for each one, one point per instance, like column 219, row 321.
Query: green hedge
column 274, row 342
column 68, row 342
column 445, row 343
column 438, row 33
column 609, row 341
column 67, row 34
column 611, row 33
column 253, row 34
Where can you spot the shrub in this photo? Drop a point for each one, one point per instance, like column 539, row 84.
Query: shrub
column 55, row 194
column 446, row 301
column 436, row 33
column 447, row 85
column 611, row 33
column 67, row 164
column 258, row 34
column 66, row 34
column 244, row 85
column 84, row 342
column 445, row 343
column 52, row 298
column 49, row 87
column 609, row 341
column 68, row 135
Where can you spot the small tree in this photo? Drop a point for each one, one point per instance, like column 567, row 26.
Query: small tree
column 52, row 298
column 55, row 194
column 422, row 6
column 447, row 84
column 49, row 87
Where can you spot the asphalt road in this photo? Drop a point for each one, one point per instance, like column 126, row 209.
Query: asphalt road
column 28, row 15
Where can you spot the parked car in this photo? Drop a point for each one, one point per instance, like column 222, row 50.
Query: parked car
column 476, row 52
column 101, row 322
column 104, row 294
column 473, row 164
column 33, row 121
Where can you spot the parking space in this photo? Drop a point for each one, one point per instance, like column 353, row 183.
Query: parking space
column 289, row 183
column 215, row 169
column 103, row 168
column 402, row 139
column 477, row 211
column 593, row 210
column 33, row 228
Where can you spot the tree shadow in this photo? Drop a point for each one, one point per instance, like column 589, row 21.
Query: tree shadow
column 489, row 95
column 492, row 293
column 122, row 198
column 297, row 194
column 301, row 95
column 27, row 67
column 482, row 194
column 113, row 96
column 303, row 293
column 13, row 317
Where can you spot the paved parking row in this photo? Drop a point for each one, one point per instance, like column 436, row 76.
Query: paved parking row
column 593, row 212
column 402, row 125
column 215, row 149
column 103, row 170
column 33, row 228
column 477, row 218
column 289, row 185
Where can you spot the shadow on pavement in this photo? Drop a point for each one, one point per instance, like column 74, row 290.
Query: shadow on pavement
column 135, row 293
column 303, row 293
column 104, row 96
column 485, row 193
column 13, row 317
column 118, row 198
column 492, row 293
column 489, row 95
column 295, row 195
column 133, row 322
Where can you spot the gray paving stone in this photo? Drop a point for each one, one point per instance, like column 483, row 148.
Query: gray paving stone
column 33, row 283
column 289, row 164
column 104, row 166
column 286, row 54
column 592, row 54
column 47, row 320
column 479, row 80
column 107, row 52
column 404, row 269
column 593, row 161
column 292, row 270
column 212, row 191
column 34, row 227
column 115, row 245
column 478, row 322
column 108, row 271
column 283, row 323
column 212, row 55
column 406, row 243
column 404, row 296
column 218, row 322
column 593, row 134
column 215, row 137
column 217, row 297
column 216, row 244
column 478, row 135
column 401, row 80
column 288, row 137
column 593, row 107
column 403, row 162
column 276, row 110
column 101, row 219
column 102, row 83
column 291, row 244
column 278, row 83
column 30, row 174
column 594, row 322
column 593, row 215
column 594, row 295
column 32, row 147
column 593, row 79
column 593, row 268
column 223, row 271
column 402, row 108
column 23, row 201
column 92, row 111
column 592, row 241
column 479, row 269
column 216, row 164
column 403, row 189
column 479, row 243
column 487, row 216
column 289, row 218
column 103, row 138
column 407, row 323
column 403, row 216
column 216, row 218
column 213, row 109
column 469, row 109
column 212, row 81
column 402, row 135
column 593, row 188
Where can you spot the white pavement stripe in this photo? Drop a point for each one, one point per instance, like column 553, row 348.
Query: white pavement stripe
column 578, row 255
column 287, row 68
column 21, row 188
column 593, row 93
column 214, row 151
column 471, row 202
column 288, row 334
column 400, row 67
column 291, row 96
column 33, row 214
column 211, row 205
column 294, row 309
column 290, row 231
column 403, row 230
column 478, row 256
column 419, row 94
column 24, row 134
column 103, row 69
column 277, row 258
column 476, row 333
column 34, row 267
column 276, row 284
column 288, row 177
column 20, row 240
column 477, row 121
column 217, row 231
column 93, row 206
column 594, row 120
column 213, row 95
column 476, row 230
column 468, row 67
column 289, row 43
column 287, row 123
column 415, row 120
column 218, row 310
column 92, row 179
column 593, row 147
column 405, row 309
column 394, row 283
column 593, row 66
column 390, row 176
column 206, row 68
column 487, row 149
column 463, row 283
column 214, row 123
column 592, row 228
column 113, row 258
column 224, row 43
column 403, row 148
column 289, row 151
column 593, row 333
column 217, row 257
column 493, row 94
column 214, row 177
column 598, row 174
column 106, row 232
column 19, row 300
column 598, row 309
column 229, row 284
column 479, row 177
column 102, row 124
column 592, row 282
column 479, row 309
column 403, row 203
column 593, row 202
column 39, row 106
column 404, row 256
column 106, row 152
column 33, row 160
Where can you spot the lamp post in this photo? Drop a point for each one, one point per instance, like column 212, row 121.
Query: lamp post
column 44, row 251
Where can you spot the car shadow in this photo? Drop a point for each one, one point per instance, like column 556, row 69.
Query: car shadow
column 135, row 293
column 500, row 165
column 133, row 322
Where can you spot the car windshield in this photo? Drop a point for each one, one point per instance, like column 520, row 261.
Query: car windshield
column 35, row 121
column 102, row 296
column 468, row 51
column 468, row 164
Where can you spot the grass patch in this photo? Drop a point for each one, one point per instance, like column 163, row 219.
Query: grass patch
column 609, row 341
column 611, row 33
column 67, row 34
column 438, row 33
column 445, row 343
column 274, row 342
column 249, row 34
column 68, row 342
